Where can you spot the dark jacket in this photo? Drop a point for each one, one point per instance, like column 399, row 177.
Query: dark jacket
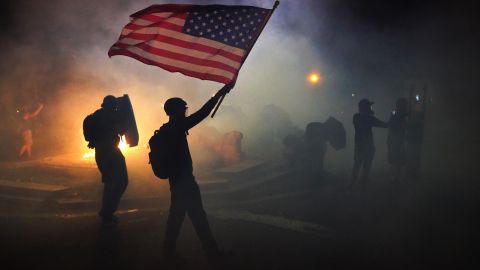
column 181, row 160
column 363, row 124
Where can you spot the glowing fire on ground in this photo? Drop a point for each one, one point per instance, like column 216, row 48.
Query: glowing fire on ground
column 123, row 145
column 90, row 154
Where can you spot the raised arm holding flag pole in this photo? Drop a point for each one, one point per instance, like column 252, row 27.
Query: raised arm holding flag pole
column 207, row 42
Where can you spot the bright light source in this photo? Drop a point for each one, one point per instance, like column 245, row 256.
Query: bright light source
column 314, row 78
column 88, row 155
column 122, row 145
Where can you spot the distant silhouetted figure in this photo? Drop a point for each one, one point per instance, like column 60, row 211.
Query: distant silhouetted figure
column 396, row 139
column 363, row 121
column 109, row 158
column 294, row 149
column 230, row 147
column 26, row 129
column 316, row 148
column 185, row 193
column 317, row 135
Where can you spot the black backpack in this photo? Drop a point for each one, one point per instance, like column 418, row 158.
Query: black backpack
column 160, row 152
column 90, row 128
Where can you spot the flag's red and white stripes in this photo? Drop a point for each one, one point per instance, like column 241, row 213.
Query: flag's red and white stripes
column 157, row 39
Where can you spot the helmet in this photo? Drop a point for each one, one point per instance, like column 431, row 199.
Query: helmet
column 173, row 105
column 109, row 101
column 364, row 105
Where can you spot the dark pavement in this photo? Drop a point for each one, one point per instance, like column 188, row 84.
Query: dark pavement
column 284, row 222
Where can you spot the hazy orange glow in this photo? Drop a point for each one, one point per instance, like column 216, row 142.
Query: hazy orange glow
column 90, row 154
column 123, row 145
column 314, row 78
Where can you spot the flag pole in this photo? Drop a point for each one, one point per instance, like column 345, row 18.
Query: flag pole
column 248, row 52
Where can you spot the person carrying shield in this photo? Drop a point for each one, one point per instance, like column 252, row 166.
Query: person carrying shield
column 396, row 139
column 110, row 160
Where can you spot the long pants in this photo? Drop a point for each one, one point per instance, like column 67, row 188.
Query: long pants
column 185, row 198
column 363, row 157
column 111, row 164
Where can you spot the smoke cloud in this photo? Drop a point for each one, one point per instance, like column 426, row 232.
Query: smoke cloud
column 56, row 53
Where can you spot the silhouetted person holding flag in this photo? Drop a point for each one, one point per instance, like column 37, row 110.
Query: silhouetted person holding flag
column 185, row 193
column 363, row 121
column 102, row 130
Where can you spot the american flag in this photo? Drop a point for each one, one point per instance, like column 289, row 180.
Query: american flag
column 209, row 42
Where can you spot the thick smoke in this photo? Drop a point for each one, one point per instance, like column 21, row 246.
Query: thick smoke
column 56, row 53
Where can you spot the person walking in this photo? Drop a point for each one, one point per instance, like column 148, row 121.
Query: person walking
column 185, row 193
column 110, row 160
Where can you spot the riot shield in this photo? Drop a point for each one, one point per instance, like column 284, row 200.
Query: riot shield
column 127, row 123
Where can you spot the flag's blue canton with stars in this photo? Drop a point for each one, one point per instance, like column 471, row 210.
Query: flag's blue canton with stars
column 235, row 27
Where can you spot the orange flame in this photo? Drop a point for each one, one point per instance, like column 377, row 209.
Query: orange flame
column 122, row 145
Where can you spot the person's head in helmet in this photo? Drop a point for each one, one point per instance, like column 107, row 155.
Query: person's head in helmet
column 175, row 108
column 365, row 106
column 109, row 103
column 401, row 106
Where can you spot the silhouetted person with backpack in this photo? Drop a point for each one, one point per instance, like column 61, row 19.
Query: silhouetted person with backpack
column 185, row 193
column 363, row 122
column 102, row 131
